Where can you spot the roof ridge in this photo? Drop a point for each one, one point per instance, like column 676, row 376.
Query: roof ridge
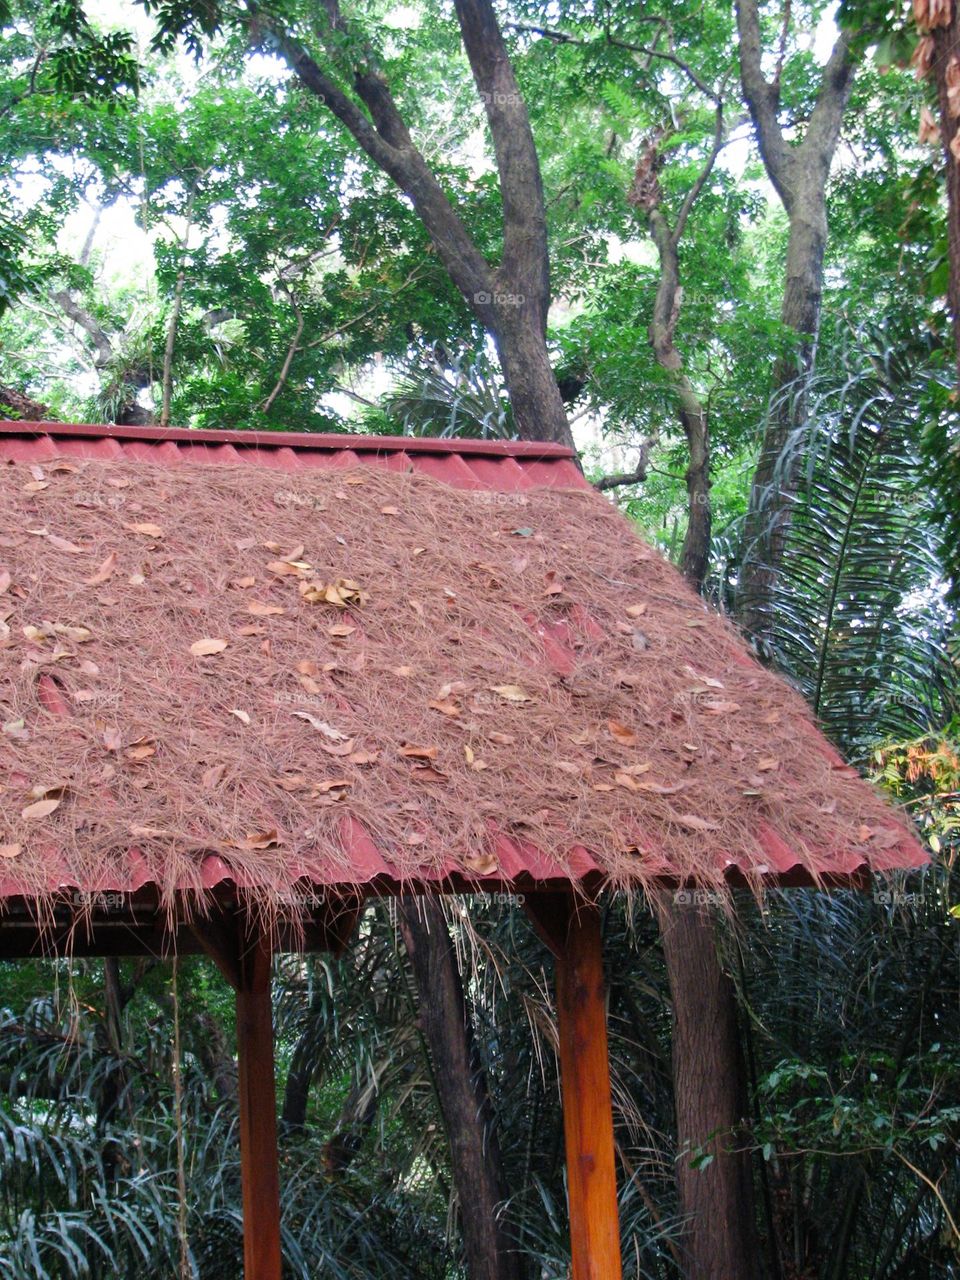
column 292, row 439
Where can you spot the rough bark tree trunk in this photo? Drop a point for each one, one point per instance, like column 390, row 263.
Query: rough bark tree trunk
column 709, row 1084
column 518, row 329
column 464, row 1098
column 799, row 174
column 946, row 72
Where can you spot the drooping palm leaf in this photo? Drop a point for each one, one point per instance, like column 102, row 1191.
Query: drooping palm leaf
column 857, row 614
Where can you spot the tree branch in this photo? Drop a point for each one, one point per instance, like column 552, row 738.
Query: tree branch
column 393, row 151
column 763, row 101
column 72, row 309
column 525, row 255
column 267, row 404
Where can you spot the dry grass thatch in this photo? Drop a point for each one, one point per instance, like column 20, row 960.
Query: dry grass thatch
column 225, row 661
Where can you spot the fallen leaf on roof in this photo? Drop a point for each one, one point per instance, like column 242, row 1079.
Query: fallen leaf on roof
column 428, row 774
column 419, row 753
column 62, row 544
column 511, row 692
column 402, row 671
column 141, row 750
column 363, row 757
column 145, row 528
column 5, row 581
column 636, row 610
column 482, row 864
column 284, row 569
column 207, row 647
column 693, row 823
column 261, row 840
column 260, row 610
column 334, row 784
column 104, row 572
column 36, row 486
column 242, row 716
column 340, row 630
column 446, row 708
column 242, row 583
column 768, row 764
column 42, row 809
column 501, row 739
column 389, row 511
column 321, row 726
column 624, row 735
column 340, row 594
column 9, row 851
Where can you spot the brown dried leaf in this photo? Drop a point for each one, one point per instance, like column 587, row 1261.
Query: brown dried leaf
column 625, row 736
column 42, row 809
column 418, row 753
column 9, row 851
column 446, row 708
column 242, row 716
column 104, row 572
column 146, row 529
column 694, row 823
column 321, row 726
column 481, row 864
column 208, row 647
column 428, row 774
column 261, row 840
column 511, row 692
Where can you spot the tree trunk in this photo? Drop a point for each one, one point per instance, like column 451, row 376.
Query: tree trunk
column 462, row 1090
column 775, row 478
column 717, row 1198
column 538, row 409
column 946, row 70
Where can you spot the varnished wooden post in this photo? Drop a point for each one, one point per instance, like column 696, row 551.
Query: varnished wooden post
column 572, row 931
column 259, row 1162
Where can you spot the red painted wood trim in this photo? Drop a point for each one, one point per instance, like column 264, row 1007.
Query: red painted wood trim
column 587, row 1108
column 259, row 1161
column 292, row 439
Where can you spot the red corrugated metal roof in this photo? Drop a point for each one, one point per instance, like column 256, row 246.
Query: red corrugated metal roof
column 498, row 467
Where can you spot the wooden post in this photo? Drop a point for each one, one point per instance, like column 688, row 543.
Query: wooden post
column 572, row 931
column 259, row 1162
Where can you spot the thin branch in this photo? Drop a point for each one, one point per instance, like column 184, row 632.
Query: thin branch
column 267, row 404
column 648, row 51
column 170, row 345
column 691, row 197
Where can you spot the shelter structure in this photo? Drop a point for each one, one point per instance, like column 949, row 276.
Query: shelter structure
column 248, row 680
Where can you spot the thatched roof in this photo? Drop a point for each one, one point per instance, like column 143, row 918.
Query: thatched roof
column 352, row 663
